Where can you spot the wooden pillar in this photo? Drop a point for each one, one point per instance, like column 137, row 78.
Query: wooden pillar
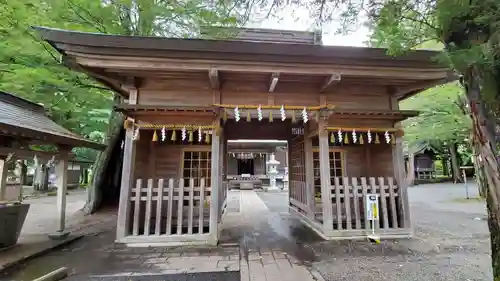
column 214, row 184
column 398, row 165
column 127, row 181
column 310, row 192
column 3, row 179
column 128, row 167
column 61, row 182
column 324, row 166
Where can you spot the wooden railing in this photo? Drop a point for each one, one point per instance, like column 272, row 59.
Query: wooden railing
column 298, row 195
column 160, row 207
column 222, row 200
column 349, row 201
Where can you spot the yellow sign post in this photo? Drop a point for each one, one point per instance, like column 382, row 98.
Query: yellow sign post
column 372, row 215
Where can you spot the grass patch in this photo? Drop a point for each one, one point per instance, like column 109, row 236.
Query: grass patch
column 465, row 200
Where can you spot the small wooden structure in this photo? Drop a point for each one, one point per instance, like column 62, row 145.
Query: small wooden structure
column 22, row 124
column 419, row 163
column 184, row 98
column 246, row 162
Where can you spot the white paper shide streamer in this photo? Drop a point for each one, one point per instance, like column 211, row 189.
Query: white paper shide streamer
column 259, row 113
column 339, row 135
column 369, row 136
column 183, row 133
column 199, row 134
column 304, row 115
column 236, row 114
column 136, row 134
column 387, row 137
column 354, row 136
column 283, row 113
column 163, row 134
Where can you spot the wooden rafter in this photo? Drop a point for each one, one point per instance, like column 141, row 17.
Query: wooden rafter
column 26, row 153
column 274, row 81
column 329, row 81
column 213, row 76
column 157, row 64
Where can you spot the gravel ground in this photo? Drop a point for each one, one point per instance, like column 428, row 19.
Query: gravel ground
column 451, row 242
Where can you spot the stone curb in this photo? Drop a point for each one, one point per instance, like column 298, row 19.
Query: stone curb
column 55, row 275
column 37, row 254
column 316, row 275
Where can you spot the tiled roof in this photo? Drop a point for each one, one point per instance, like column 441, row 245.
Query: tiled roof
column 23, row 114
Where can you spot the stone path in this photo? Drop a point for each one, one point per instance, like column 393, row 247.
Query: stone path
column 268, row 250
column 260, row 241
column 257, row 245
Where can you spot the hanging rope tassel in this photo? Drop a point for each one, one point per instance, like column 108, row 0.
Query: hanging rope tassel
column 294, row 119
column 174, row 136
column 136, row 135
column 224, row 116
column 249, row 118
column 361, row 141
column 377, row 140
column 155, row 136
column 270, row 116
column 332, row 138
column 190, row 136
column 346, row 139
column 207, row 138
column 393, row 138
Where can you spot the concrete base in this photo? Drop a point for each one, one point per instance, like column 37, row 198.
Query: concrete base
column 59, row 235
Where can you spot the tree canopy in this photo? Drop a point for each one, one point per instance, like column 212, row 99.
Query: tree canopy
column 31, row 69
column 441, row 116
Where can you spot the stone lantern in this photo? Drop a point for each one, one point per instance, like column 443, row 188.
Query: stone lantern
column 272, row 171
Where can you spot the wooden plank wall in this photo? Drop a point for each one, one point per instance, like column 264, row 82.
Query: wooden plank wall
column 236, row 88
column 159, row 160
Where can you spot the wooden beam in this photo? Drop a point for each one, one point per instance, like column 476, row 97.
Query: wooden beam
column 158, row 64
column 213, row 76
column 61, row 182
column 215, row 185
column 309, row 173
column 274, row 81
column 329, row 81
column 422, row 85
column 29, row 154
column 3, row 178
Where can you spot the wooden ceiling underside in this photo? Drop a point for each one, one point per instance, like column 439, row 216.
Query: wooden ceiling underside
column 272, row 76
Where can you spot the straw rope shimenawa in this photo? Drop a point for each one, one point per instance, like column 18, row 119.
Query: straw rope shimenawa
column 286, row 107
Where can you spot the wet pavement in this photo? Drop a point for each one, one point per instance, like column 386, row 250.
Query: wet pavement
column 266, row 226
column 451, row 242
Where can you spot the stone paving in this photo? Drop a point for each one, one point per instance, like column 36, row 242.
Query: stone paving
column 260, row 241
column 268, row 249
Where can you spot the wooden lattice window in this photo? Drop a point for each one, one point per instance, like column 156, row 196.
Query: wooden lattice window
column 297, row 169
column 197, row 165
column 336, row 167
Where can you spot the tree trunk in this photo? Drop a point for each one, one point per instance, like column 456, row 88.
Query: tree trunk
column 455, row 167
column 41, row 178
column 24, row 172
column 478, row 171
column 444, row 163
column 104, row 168
column 410, row 175
column 485, row 141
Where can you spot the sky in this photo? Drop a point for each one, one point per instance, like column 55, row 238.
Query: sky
column 288, row 21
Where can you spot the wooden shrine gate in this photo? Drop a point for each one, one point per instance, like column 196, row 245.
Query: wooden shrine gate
column 336, row 106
